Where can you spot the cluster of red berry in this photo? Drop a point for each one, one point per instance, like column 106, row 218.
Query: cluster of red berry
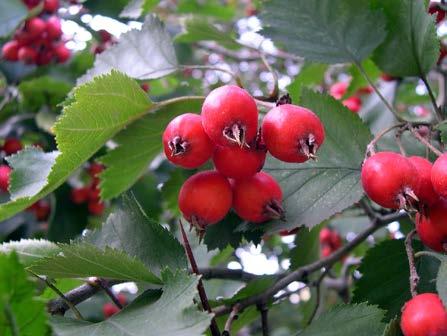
column 330, row 241
column 38, row 41
column 105, row 41
column 227, row 131
column 109, row 309
column 354, row 102
column 90, row 193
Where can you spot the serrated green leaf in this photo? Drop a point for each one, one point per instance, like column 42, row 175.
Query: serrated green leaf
column 310, row 74
column 140, row 143
column 12, row 13
column 171, row 314
column 85, row 260
column 307, row 247
column 19, row 309
column 130, row 230
column 311, row 30
column 98, row 111
column 171, row 188
column 443, row 129
column 254, row 287
column 348, row 320
column 441, row 281
column 411, row 47
column 314, row 191
column 358, row 79
column 381, row 284
column 30, row 250
column 141, row 54
column 392, row 328
column 136, row 8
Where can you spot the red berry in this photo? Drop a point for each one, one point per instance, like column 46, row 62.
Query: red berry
column 41, row 209
column 31, row 3
column 185, row 142
column 205, row 198
column 50, row 6
column 27, row 55
column 145, row 87
column 95, row 169
column 35, row 27
column 105, row 35
column 12, row 146
column 425, row 191
column 258, row 198
column 326, row 251
column 387, row 78
column 424, row 315
column 353, row 103
column 96, row 207
column 5, row 171
column 432, row 226
column 122, row 299
column 94, row 193
column 53, row 28
column 390, row 180
column 338, row 89
column 10, row 51
column 61, row 52
column 45, row 57
column 325, row 236
column 230, row 116
column 365, row 90
column 336, row 241
column 439, row 175
column 109, row 309
column 240, row 162
column 292, row 133
column 434, row 8
column 79, row 195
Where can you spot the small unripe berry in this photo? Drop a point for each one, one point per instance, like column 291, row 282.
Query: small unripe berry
column 338, row 90
column 80, row 195
column 353, row 103
column 424, row 315
column 53, row 28
column 61, row 52
column 230, row 116
column 27, row 55
column 425, row 191
column 35, row 27
column 185, row 142
column 5, row 171
column 439, row 175
column 109, row 309
column 292, row 133
column 12, row 146
column 390, row 180
column 432, row 226
column 10, row 51
column 205, row 198
column 258, row 199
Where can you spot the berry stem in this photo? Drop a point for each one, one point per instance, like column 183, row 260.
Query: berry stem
column 424, row 141
column 233, row 316
column 414, row 277
column 370, row 149
column 273, row 96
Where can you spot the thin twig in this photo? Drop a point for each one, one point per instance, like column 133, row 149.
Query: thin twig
column 414, row 277
column 273, row 96
column 264, row 318
column 424, row 141
column 105, row 287
column 398, row 139
column 202, row 294
column 370, row 149
column 318, row 294
column 236, row 77
column 233, row 316
column 432, row 98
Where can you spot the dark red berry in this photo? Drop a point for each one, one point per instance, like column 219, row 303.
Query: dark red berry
column 27, row 55
column 353, row 103
column 390, row 180
column 41, row 209
column 292, row 133
column 185, row 142
column 109, row 309
column 50, row 6
column 61, row 52
column 336, row 240
column 365, row 90
column 432, row 226
column 258, row 198
column 53, row 28
column 338, row 90
column 79, row 195
column 96, row 208
column 122, row 299
column 10, row 51
column 326, row 251
column 31, row 3
column 205, row 198
column 5, row 172
column 94, row 193
column 145, row 87
column 95, row 169
column 12, row 146
column 35, row 27
column 45, row 57
column 439, row 175
column 230, row 116
column 325, row 236
column 424, row 315
column 105, row 35
column 425, row 191
column 387, row 78
column 434, row 8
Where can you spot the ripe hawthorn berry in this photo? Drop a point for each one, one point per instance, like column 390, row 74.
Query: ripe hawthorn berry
column 353, row 103
column 432, row 226
column 53, row 28
column 387, row 78
column 230, row 116
column 79, row 195
column 35, row 27
column 258, row 198
column 96, row 207
column 27, row 55
column 5, row 172
column 425, row 192
column 61, row 52
column 292, row 133
column 424, row 315
column 390, row 180
column 439, row 175
column 50, row 6
column 338, row 90
column 41, row 209
column 185, row 142
column 205, row 198
column 325, row 236
column 10, row 51
column 12, row 146
column 109, row 309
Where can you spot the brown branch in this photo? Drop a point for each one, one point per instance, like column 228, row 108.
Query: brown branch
column 424, row 141
column 232, row 317
column 318, row 294
column 414, row 277
column 104, row 284
column 264, row 318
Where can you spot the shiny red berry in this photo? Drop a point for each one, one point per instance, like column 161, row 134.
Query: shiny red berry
column 96, row 207
column 53, row 28
column 390, row 180
column 439, row 175
column 230, row 116
column 61, row 52
column 205, row 198
column 95, row 169
column 258, row 199
column 10, row 51
column 185, row 142
column 35, row 27
column 292, row 133
column 109, row 309
column 105, row 35
column 353, row 103
column 424, row 315
column 432, row 226
column 338, row 90
column 5, row 172
column 12, row 146
column 325, row 236
column 336, row 240
column 27, row 55
column 425, row 191
column 79, row 195
column 50, row 6
column 326, row 251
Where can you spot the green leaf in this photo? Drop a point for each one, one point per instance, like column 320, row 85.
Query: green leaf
column 358, row 80
column 171, row 314
column 441, row 282
column 148, row 194
column 310, row 74
column 311, row 30
column 381, row 284
column 20, row 312
column 98, row 111
column 12, row 13
column 137, row 8
column 120, row 174
column 30, row 250
column 348, row 320
column 443, row 129
column 314, row 191
column 171, row 188
column 254, row 287
column 85, row 260
column 211, row 8
column 130, row 230
column 198, row 29
column 142, row 54
column 307, row 247
column 411, row 47
column 392, row 328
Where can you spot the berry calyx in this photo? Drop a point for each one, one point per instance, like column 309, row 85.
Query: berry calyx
column 10, row 51
column 185, row 142
column 292, row 133
column 432, row 226
column 424, row 315
column 230, row 116
column 205, row 198
column 390, row 180
column 258, row 199
column 425, row 192
column 12, row 146
column 5, row 172
column 439, row 175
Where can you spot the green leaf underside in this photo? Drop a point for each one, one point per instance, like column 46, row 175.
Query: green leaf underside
column 311, row 29
column 170, row 314
column 12, row 13
column 98, row 111
column 441, row 279
column 314, row 191
column 254, row 287
column 139, row 143
column 30, row 250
